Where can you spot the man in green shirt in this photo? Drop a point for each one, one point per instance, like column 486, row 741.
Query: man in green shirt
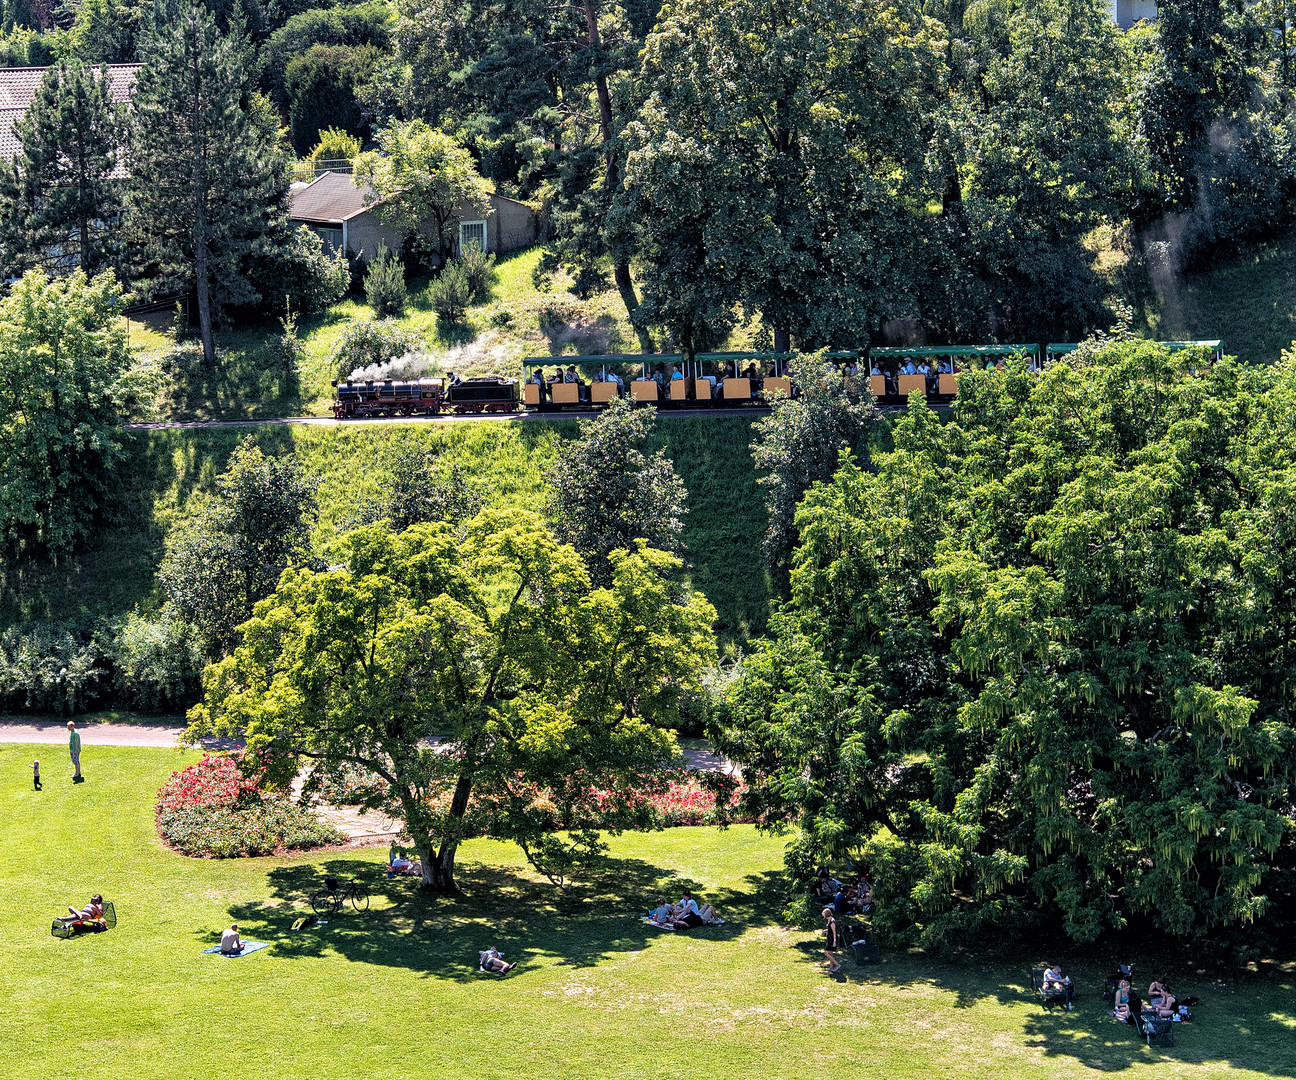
column 74, row 749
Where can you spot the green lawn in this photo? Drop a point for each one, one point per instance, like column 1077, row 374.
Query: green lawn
column 394, row 993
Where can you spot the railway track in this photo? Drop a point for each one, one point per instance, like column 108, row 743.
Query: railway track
column 489, row 418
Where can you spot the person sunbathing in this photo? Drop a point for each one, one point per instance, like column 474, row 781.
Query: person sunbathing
column 490, row 960
column 89, row 913
column 231, row 944
column 1057, row 982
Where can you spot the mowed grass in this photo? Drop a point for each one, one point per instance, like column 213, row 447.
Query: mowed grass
column 394, row 992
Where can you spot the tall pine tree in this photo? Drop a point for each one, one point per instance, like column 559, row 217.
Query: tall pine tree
column 208, row 184
column 59, row 201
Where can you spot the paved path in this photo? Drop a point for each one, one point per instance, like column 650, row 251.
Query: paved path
column 103, row 734
column 371, row 825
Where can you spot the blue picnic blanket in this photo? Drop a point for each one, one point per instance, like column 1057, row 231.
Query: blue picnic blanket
column 248, row 947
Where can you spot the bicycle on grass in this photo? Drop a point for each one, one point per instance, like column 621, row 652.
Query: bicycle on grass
column 334, row 895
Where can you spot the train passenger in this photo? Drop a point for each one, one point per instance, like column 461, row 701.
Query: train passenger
column 538, row 379
column 754, row 375
column 452, row 378
column 570, row 376
column 875, row 370
column 946, row 368
column 907, row 366
column 676, row 374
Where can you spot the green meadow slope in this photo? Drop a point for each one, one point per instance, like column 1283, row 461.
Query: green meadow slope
column 168, row 473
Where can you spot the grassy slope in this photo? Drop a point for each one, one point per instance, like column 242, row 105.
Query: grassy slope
column 169, row 472
column 1248, row 301
column 395, row 991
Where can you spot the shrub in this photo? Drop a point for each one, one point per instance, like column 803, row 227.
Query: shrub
column 385, row 284
column 158, row 664
column 57, row 668
column 479, row 270
column 335, row 144
column 450, row 293
column 371, row 343
column 212, row 809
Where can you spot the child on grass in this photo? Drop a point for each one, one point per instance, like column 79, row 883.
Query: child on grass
column 36, row 781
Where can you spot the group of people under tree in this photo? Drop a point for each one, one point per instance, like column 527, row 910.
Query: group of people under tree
column 684, row 914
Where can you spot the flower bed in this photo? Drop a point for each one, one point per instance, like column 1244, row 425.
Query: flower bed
column 687, row 802
column 212, row 809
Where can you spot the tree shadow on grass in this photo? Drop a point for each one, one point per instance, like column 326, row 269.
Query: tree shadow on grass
column 439, row 936
column 1254, row 1033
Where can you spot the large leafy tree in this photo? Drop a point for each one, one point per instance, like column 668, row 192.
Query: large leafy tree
column 218, row 565
column 801, row 442
column 785, row 142
column 610, row 489
column 420, row 178
column 495, row 641
column 59, row 199
column 1033, row 158
column 1037, row 667
column 209, row 186
column 62, row 356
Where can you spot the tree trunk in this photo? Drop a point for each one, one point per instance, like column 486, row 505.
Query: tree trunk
column 612, row 177
column 204, row 303
column 782, row 341
column 438, row 866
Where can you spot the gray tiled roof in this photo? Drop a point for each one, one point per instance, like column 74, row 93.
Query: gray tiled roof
column 332, row 197
column 18, row 88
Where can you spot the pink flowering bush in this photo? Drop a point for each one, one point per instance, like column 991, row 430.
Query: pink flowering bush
column 212, row 809
column 687, row 802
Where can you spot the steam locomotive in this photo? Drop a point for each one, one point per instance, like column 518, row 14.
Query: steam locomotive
column 424, row 397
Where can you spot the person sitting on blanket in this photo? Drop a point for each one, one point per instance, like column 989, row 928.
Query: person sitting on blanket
column 398, row 863
column 89, row 913
column 691, row 915
column 664, row 916
column 490, row 960
column 1122, row 1002
column 231, row 943
column 1160, row 1000
column 1056, row 981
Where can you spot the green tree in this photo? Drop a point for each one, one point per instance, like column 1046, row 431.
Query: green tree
column 415, row 488
column 218, row 565
column 60, row 206
column 108, row 31
column 1036, row 160
column 800, row 444
column 610, row 490
column 63, row 353
column 788, row 137
column 494, row 641
column 335, row 145
column 421, row 178
column 320, row 86
column 1036, row 670
column 208, row 185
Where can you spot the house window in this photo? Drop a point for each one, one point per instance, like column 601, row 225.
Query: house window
column 472, row 232
column 332, row 237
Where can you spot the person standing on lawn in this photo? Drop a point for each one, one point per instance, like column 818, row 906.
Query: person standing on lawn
column 74, row 751
column 830, row 941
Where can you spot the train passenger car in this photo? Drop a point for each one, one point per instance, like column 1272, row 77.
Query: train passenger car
column 555, row 383
column 892, row 381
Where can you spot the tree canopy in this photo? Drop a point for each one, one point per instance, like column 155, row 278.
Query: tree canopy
column 1036, row 669
column 421, row 176
column 63, row 353
column 544, row 689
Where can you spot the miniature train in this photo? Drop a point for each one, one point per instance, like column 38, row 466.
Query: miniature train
column 667, row 380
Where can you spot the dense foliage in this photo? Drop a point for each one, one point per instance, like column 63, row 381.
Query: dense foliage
column 63, row 356
column 493, row 639
column 609, row 491
column 1037, row 667
column 218, row 565
column 212, row 809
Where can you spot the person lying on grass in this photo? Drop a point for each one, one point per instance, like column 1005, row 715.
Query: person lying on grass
column 490, row 960
column 231, row 943
column 89, row 913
